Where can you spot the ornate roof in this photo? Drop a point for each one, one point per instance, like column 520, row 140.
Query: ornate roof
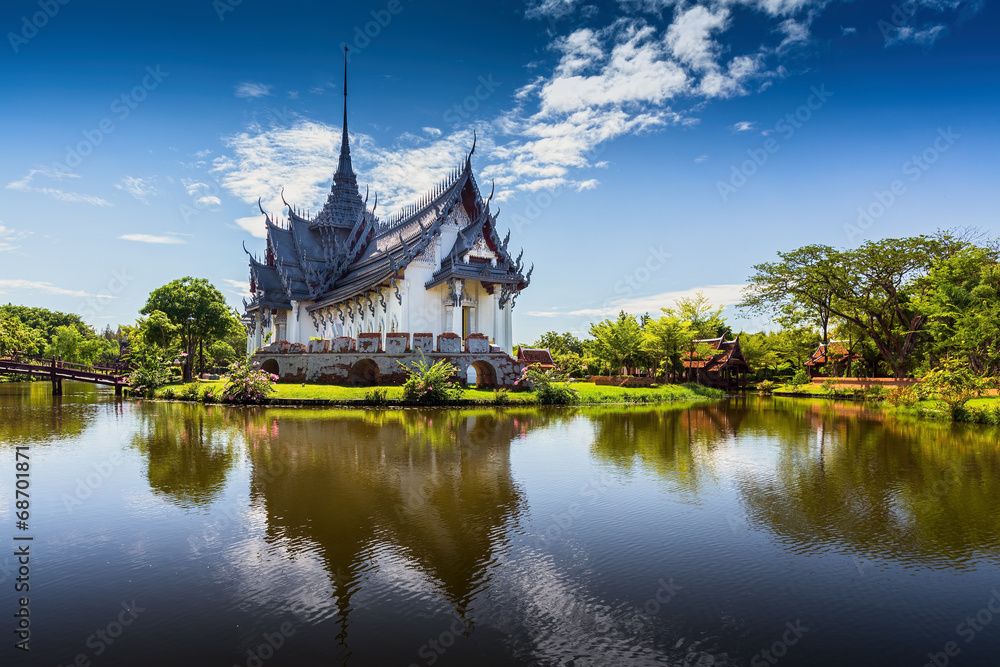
column 346, row 251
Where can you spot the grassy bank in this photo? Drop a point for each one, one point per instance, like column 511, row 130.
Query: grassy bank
column 984, row 410
column 590, row 394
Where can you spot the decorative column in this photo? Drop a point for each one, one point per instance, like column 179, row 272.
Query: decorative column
column 456, row 310
column 258, row 331
column 293, row 324
column 508, row 327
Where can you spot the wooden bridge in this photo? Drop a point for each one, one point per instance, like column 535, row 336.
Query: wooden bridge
column 57, row 371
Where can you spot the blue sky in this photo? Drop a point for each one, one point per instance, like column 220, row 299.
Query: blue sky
column 641, row 149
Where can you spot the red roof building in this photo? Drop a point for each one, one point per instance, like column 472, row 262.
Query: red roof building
column 539, row 358
column 840, row 356
column 725, row 369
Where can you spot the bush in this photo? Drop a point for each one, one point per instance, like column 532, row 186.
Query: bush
column 149, row 369
column 800, row 378
column 190, row 392
column 901, row 396
column 766, row 386
column 247, row 385
column 501, row 396
column 379, row 396
column 547, row 391
column 430, row 384
column 168, row 393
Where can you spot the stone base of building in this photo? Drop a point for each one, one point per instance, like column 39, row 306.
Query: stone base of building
column 363, row 362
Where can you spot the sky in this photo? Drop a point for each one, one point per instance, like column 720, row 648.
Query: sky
column 640, row 150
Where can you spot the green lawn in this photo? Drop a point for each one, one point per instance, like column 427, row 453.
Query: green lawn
column 589, row 393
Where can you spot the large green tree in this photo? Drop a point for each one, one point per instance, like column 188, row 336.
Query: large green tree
column 664, row 339
column 617, row 341
column 872, row 287
column 199, row 311
column 961, row 299
column 45, row 322
column 704, row 320
column 15, row 336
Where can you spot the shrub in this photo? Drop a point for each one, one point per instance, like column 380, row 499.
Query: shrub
column 379, row 396
column 501, row 396
column 766, row 386
column 430, row 384
column 547, row 391
column 190, row 392
column 149, row 369
column 800, row 378
column 168, row 393
column 901, row 396
column 247, row 385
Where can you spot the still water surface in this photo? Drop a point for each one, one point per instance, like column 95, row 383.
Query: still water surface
column 820, row 533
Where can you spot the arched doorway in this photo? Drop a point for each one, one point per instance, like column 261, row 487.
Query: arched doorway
column 271, row 366
column 485, row 374
column 363, row 374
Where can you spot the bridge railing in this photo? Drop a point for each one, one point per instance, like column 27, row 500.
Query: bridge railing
column 117, row 370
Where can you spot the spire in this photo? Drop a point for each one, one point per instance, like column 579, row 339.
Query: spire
column 345, row 171
column 343, row 205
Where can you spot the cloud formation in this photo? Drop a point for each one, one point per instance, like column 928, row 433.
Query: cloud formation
column 25, row 184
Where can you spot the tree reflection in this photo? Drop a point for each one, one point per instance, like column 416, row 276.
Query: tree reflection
column 29, row 413
column 189, row 450
column 880, row 486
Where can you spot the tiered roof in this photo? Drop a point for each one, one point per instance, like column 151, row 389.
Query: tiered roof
column 346, row 251
column 729, row 354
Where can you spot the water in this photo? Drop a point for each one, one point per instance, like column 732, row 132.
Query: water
column 822, row 533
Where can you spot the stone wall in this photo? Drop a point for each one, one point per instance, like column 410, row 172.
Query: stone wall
column 363, row 361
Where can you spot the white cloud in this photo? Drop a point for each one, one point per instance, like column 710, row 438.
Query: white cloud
column 907, row 34
column 254, row 225
column 24, row 184
column 238, row 287
column 718, row 295
column 48, row 288
column 690, row 36
column 208, row 200
column 140, row 188
column 554, row 9
column 148, row 238
column 744, row 126
column 433, row 131
column 249, row 90
column 8, row 237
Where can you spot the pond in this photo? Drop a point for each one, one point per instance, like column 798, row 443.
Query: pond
column 750, row 531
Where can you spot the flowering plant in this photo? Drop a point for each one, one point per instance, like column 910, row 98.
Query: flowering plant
column 248, row 384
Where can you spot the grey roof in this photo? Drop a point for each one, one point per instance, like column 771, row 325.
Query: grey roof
column 345, row 251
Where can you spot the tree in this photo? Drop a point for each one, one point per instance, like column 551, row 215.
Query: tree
column 697, row 311
column 198, row 309
column 15, row 336
column 45, row 322
column 617, row 341
column 558, row 343
column 871, row 287
column 664, row 339
column 797, row 287
column 962, row 304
